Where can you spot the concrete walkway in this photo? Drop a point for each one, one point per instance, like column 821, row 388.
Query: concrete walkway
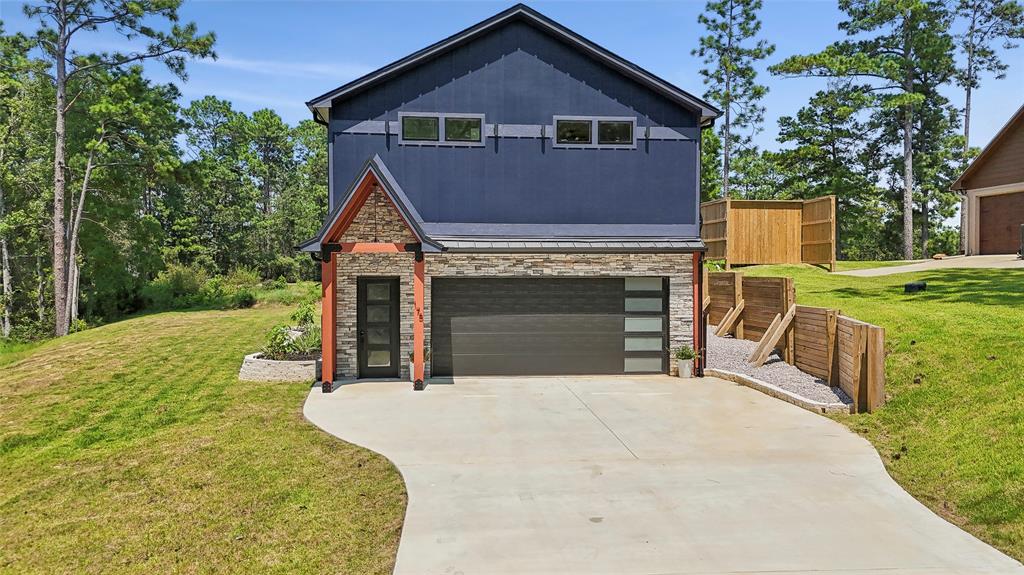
column 959, row 262
column 646, row 475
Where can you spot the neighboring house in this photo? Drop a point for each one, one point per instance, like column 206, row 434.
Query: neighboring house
column 994, row 184
column 518, row 201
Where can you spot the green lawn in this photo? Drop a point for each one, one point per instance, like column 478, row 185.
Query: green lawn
column 952, row 432
column 133, row 447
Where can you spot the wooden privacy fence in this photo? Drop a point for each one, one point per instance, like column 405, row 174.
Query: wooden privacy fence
column 843, row 351
column 746, row 232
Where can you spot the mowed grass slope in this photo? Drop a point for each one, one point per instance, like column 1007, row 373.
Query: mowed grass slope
column 952, row 432
column 134, row 448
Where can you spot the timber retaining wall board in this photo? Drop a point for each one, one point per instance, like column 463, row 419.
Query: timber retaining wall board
column 843, row 351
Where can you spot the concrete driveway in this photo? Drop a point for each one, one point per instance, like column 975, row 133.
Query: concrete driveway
column 638, row 475
column 952, row 262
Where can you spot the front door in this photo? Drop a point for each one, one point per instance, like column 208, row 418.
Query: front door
column 377, row 325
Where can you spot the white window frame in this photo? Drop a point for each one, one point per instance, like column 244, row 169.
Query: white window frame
column 594, row 138
column 441, row 141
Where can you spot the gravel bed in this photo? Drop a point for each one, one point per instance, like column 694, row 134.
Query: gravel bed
column 730, row 354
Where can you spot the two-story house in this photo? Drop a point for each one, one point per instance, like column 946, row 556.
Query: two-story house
column 512, row 200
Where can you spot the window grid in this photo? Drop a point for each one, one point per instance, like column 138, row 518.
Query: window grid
column 441, row 135
column 595, row 122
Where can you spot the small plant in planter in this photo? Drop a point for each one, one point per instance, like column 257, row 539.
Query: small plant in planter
column 412, row 371
column 684, row 360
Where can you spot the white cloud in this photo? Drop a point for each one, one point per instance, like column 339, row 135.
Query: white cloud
column 338, row 72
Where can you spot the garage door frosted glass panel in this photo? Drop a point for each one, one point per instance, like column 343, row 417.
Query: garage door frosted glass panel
column 643, row 304
column 643, row 344
column 650, row 324
column 635, row 364
column 643, row 284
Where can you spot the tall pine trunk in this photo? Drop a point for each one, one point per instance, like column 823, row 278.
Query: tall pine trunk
column 967, row 147
column 8, row 294
column 60, row 136
column 908, row 145
column 969, row 72
column 5, row 262
column 924, row 229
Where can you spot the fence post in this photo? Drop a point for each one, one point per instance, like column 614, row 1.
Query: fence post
column 831, row 347
column 875, row 361
column 789, row 297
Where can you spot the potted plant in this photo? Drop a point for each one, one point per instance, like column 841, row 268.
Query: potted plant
column 412, row 368
column 684, row 361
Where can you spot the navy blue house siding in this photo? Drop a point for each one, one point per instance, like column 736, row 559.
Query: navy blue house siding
column 521, row 75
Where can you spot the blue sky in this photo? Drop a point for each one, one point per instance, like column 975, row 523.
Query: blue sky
column 279, row 54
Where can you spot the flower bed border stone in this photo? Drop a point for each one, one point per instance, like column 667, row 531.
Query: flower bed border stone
column 255, row 368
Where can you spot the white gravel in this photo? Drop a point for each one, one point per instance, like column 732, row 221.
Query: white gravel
column 730, row 354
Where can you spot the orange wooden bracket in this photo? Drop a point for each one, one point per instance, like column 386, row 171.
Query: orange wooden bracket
column 372, row 248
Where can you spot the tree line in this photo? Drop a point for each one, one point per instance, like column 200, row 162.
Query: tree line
column 881, row 136
column 107, row 181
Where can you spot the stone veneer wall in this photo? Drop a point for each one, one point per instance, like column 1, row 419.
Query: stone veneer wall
column 678, row 267
column 378, row 221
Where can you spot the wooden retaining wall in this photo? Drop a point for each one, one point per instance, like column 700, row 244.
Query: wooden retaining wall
column 847, row 353
column 744, row 232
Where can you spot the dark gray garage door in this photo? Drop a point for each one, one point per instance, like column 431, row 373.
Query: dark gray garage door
column 547, row 326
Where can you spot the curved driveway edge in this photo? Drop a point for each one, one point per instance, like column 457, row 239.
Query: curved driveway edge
column 638, row 475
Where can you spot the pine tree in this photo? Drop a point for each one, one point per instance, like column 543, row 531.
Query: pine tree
column 986, row 23
column 897, row 42
column 60, row 23
column 729, row 51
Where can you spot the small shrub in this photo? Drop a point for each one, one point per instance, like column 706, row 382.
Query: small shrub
column 242, row 276
column 279, row 283
column 214, row 291
column 284, row 267
column 77, row 325
column 308, row 343
column 176, row 286
column 281, row 345
column 243, row 298
column 278, row 341
column 304, row 315
column 685, row 352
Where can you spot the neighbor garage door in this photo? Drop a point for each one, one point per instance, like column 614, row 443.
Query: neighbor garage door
column 1001, row 218
column 547, row 326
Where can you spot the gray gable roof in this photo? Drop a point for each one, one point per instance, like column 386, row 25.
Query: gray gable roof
column 521, row 12
column 394, row 191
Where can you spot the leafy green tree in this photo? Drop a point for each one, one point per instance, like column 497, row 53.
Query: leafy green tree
column 894, row 44
column 23, row 180
column 61, row 22
column 760, row 175
column 831, row 154
column 987, row 23
column 729, row 51
column 710, row 165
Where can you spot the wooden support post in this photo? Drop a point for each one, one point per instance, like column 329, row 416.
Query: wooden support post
column 737, row 296
column 328, row 329
column 772, row 337
column 830, row 347
column 764, row 338
column 875, row 360
column 789, row 341
column 731, row 317
column 417, row 327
